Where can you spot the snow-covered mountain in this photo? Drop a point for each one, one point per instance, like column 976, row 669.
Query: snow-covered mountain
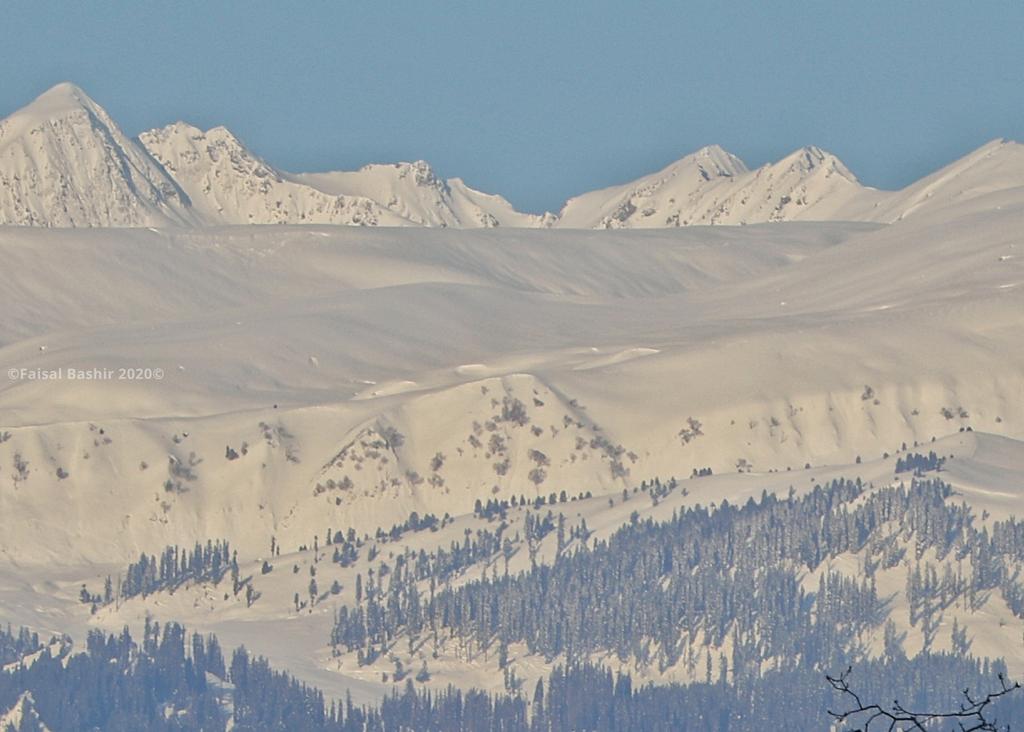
column 712, row 186
column 413, row 191
column 65, row 162
column 655, row 200
column 228, row 184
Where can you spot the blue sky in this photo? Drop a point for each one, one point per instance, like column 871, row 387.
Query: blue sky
column 539, row 101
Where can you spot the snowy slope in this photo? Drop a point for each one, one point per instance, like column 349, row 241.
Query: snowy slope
column 64, row 162
column 22, row 716
column 120, row 277
column 768, row 336
column 994, row 169
column 413, row 191
column 982, row 464
column 510, row 362
column 291, row 380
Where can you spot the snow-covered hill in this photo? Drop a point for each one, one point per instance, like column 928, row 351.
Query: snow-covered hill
column 786, row 343
column 65, row 162
column 321, row 378
column 985, row 470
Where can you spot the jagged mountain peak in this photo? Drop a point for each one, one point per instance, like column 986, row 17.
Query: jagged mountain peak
column 64, row 96
column 59, row 102
column 422, row 172
column 181, row 145
column 654, row 200
column 65, row 162
column 182, row 128
column 710, row 161
column 415, row 191
column 723, row 162
column 710, row 150
column 419, row 171
column 812, row 159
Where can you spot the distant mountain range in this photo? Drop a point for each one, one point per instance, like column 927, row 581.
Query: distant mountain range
column 65, row 163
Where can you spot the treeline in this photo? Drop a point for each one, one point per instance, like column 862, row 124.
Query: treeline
column 173, row 567
column 919, row 463
column 389, row 603
column 15, row 646
column 175, row 681
column 496, row 508
column 653, row 592
column 168, row 681
column 709, row 579
column 588, row 697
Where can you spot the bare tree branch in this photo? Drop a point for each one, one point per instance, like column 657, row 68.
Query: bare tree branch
column 971, row 717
